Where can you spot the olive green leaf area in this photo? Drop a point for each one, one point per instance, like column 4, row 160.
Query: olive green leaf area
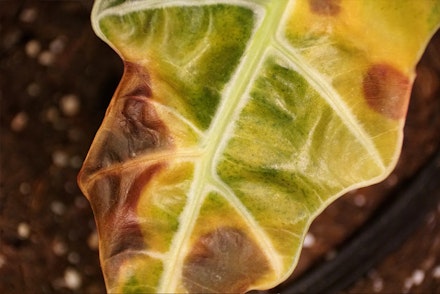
column 235, row 124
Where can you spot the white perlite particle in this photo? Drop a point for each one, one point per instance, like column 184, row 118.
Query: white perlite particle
column 23, row 230
column 416, row 279
column 377, row 281
column 46, row 58
column 377, row 285
column 436, row 272
column 57, row 207
column 360, row 200
column 93, row 241
column 70, row 105
column 309, row 240
column 72, row 279
column 60, row 158
column 33, row 48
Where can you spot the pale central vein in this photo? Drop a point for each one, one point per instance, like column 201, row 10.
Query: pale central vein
column 232, row 97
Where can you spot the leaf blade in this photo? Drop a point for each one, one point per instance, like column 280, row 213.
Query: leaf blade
column 217, row 148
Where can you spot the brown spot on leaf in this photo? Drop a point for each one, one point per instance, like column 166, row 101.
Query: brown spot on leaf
column 114, row 198
column 131, row 127
column 224, row 261
column 103, row 193
column 387, row 90
column 142, row 127
column 136, row 81
column 325, row 7
column 125, row 231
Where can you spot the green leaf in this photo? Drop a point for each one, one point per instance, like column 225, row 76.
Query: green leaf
column 235, row 124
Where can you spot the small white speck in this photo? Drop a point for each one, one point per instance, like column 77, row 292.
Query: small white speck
column 418, row 277
column 72, row 279
column 33, row 48
column 407, row 284
column 436, row 272
column 353, row 191
column 25, row 188
column 60, row 158
column 360, row 200
column 70, row 105
column 28, row 15
column 23, row 230
column 377, row 281
column 2, row 260
column 309, row 240
column 46, row 58
column 57, row 207
column 377, row 285
column 93, row 241
column 19, row 122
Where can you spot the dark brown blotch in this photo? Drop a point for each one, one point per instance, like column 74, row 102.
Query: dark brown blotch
column 136, row 81
column 325, row 7
column 125, row 232
column 115, row 209
column 387, row 90
column 141, row 126
column 131, row 127
column 224, row 261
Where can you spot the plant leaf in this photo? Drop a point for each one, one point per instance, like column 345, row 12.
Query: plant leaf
column 235, row 123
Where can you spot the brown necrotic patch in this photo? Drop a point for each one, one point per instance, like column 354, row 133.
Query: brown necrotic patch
column 131, row 127
column 325, row 7
column 142, row 127
column 121, row 221
column 136, row 81
column 387, row 90
column 139, row 122
column 224, row 261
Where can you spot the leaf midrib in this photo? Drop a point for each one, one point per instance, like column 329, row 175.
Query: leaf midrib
column 233, row 94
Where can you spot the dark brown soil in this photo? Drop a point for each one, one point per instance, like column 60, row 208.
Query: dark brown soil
column 56, row 79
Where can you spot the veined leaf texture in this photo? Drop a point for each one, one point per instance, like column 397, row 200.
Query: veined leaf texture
column 235, row 124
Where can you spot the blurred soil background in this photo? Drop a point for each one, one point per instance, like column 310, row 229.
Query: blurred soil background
column 56, row 80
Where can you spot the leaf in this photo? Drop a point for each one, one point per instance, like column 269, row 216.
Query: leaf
column 235, row 124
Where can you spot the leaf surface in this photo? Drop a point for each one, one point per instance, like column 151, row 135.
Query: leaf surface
column 237, row 122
